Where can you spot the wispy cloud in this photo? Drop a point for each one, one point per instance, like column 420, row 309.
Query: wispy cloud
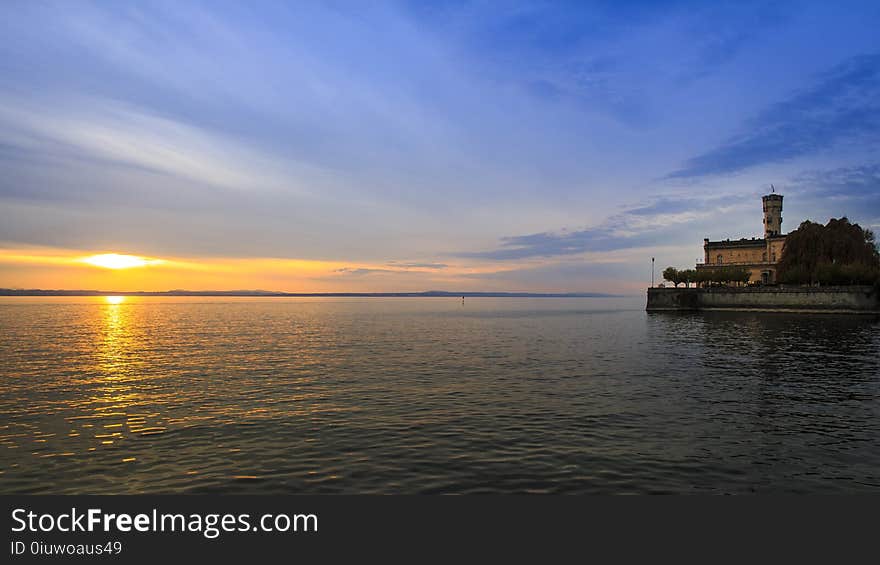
column 404, row 265
column 361, row 271
column 397, row 267
column 684, row 219
column 844, row 105
column 120, row 135
column 852, row 191
column 668, row 220
column 862, row 181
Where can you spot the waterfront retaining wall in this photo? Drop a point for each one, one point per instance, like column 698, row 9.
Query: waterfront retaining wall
column 813, row 299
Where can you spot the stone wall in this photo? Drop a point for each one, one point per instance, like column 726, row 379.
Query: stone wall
column 813, row 299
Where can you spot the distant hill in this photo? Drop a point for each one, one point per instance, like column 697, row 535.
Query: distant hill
column 429, row 293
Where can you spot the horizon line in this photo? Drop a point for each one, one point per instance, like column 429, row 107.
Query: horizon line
column 267, row 293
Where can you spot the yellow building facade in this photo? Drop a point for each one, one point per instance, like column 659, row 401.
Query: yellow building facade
column 759, row 255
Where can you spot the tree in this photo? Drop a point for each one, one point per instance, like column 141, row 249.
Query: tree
column 722, row 275
column 737, row 275
column 838, row 253
column 688, row 276
column 702, row 276
column 671, row 274
column 719, row 275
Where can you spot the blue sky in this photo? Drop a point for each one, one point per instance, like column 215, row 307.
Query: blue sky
column 414, row 145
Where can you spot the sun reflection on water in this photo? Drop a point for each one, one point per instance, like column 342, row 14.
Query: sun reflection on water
column 113, row 341
column 119, row 389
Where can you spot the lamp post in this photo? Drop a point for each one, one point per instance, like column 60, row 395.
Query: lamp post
column 652, row 272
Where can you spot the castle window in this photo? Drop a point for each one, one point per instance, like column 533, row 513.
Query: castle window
column 764, row 257
column 720, row 260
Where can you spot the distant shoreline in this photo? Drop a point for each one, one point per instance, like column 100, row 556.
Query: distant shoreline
column 268, row 294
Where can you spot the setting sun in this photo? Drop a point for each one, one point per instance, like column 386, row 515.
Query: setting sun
column 117, row 261
column 114, row 299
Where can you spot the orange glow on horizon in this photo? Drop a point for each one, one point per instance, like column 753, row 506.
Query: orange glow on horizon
column 114, row 299
column 30, row 267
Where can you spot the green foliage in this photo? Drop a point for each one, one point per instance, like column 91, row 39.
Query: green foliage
column 838, row 253
column 676, row 277
column 721, row 275
column 724, row 275
column 837, row 274
column 671, row 274
column 688, row 276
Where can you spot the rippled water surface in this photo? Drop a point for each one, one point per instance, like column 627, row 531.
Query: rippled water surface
column 414, row 395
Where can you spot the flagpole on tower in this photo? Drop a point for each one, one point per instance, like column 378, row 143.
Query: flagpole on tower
column 652, row 272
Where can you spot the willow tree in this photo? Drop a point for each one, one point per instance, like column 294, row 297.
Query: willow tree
column 839, row 252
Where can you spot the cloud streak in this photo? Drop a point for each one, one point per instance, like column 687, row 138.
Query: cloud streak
column 118, row 135
column 666, row 220
column 844, row 105
column 861, row 181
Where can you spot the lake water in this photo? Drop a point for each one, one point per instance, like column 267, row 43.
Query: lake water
column 411, row 395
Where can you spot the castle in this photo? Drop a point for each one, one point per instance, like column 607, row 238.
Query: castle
column 760, row 256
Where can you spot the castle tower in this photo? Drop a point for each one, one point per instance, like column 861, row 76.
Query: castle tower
column 772, row 214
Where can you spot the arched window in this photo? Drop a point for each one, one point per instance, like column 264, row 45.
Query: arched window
column 720, row 259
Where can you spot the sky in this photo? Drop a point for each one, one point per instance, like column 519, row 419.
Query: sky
column 408, row 146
